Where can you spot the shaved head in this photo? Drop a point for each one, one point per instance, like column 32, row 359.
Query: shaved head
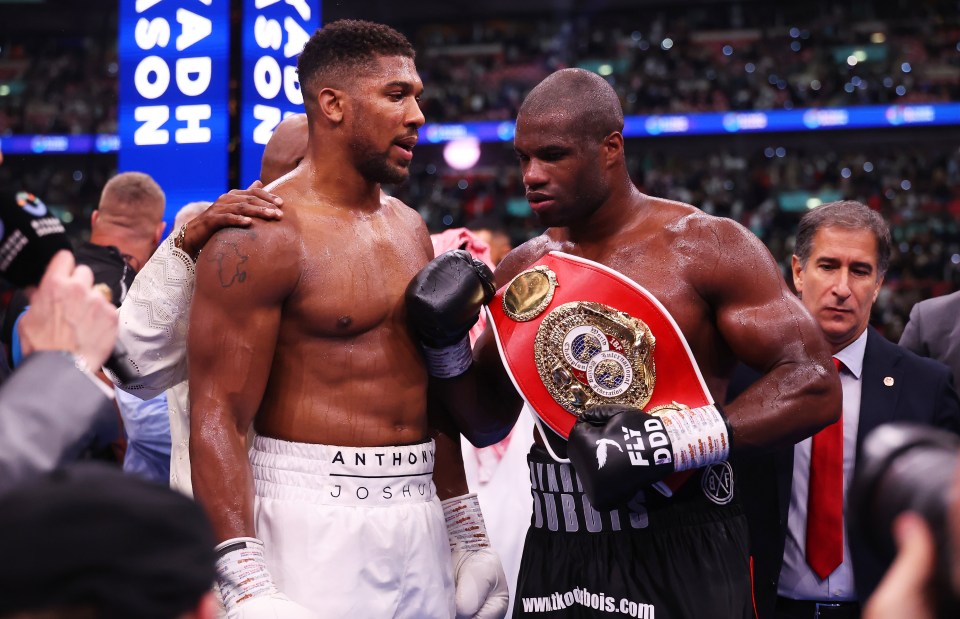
column 285, row 149
column 578, row 98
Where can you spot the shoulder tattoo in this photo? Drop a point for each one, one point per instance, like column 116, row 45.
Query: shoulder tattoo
column 230, row 258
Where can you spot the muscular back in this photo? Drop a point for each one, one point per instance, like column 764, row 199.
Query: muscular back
column 316, row 331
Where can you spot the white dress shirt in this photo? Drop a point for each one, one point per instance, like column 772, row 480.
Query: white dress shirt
column 797, row 580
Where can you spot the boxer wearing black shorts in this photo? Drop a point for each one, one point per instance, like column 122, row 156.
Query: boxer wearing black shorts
column 727, row 298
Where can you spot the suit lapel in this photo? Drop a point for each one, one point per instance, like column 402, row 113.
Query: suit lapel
column 878, row 399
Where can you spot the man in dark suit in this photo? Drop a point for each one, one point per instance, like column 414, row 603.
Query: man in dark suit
column 934, row 331
column 842, row 253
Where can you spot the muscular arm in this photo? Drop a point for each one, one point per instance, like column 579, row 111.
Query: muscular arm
column 448, row 473
column 243, row 278
column 153, row 316
column 767, row 328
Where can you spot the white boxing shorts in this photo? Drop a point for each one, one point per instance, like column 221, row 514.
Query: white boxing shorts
column 351, row 531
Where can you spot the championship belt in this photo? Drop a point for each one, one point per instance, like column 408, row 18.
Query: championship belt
column 574, row 334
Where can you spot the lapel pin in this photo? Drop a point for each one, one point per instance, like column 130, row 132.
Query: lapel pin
column 888, row 381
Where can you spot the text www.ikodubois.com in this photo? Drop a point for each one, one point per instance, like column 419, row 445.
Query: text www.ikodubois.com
column 582, row 597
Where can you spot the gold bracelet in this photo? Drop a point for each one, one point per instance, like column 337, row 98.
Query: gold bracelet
column 179, row 239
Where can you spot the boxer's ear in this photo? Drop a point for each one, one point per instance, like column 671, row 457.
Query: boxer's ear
column 611, row 149
column 331, row 101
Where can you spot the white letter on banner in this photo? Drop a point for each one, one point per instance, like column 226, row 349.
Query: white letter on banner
column 267, row 77
column 141, row 77
column 297, row 37
column 143, row 5
column 150, row 133
column 195, row 28
column 149, row 33
column 291, row 85
column 267, row 33
column 270, row 118
column 302, row 7
column 194, row 133
column 259, row 4
column 201, row 68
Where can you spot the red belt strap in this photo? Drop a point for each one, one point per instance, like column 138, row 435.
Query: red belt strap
column 678, row 379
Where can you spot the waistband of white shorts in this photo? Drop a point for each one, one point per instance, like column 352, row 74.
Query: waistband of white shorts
column 332, row 475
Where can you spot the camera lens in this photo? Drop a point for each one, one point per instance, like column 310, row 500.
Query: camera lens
column 905, row 467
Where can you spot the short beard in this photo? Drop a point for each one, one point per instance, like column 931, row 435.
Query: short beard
column 374, row 167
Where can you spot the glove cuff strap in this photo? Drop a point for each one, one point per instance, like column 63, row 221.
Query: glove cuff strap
column 700, row 436
column 242, row 571
column 449, row 361
column 465, row 527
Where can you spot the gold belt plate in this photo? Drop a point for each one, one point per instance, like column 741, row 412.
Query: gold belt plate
column 589, row 354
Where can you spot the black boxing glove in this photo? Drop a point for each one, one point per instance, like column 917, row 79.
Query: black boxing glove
column 443, row 303
column 617, row 450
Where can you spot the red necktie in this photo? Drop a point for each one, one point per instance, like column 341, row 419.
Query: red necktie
column 825, row 500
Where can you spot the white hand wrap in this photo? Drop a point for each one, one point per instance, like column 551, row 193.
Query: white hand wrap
column 246, row 586
column 450, row 361
column 700, row 436
column 477, row 573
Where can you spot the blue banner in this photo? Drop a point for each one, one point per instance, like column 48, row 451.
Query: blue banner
column 274, row 34
column 817, row 119
column 84, row 144
column 174, row 118
column 768, row 121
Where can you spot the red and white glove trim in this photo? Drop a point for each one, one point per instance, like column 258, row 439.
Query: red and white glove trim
column 465, row 527
column 699, row 436
column 242, row 571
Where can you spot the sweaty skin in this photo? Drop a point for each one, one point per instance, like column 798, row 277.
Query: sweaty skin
column 716, row 279
column 298, row 326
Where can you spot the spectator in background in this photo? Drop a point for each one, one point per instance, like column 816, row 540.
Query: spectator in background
column 934, row 331
column 124, row 232
column 88, row 541
column 70, row 329
column 494, row 235
column 805, row 557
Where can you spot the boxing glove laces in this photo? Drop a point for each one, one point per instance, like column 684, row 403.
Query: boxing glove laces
column 617, row 450
column 443, row 301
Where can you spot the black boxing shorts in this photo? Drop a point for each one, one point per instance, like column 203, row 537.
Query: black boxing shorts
column 684, row 557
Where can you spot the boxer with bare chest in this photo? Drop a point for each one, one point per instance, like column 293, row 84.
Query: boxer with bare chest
column 300, row 329
column 601, row 537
